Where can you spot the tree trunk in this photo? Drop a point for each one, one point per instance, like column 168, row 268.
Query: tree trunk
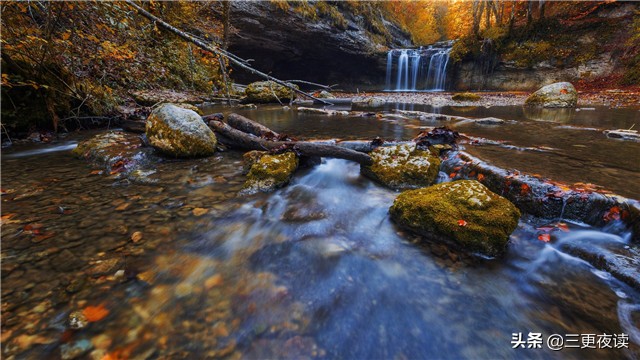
column 234, row 59
column 240, row 139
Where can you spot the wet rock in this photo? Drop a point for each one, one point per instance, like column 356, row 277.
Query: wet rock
column 623, row 134
column 322, row 111
column 368, row 101
column 250, row 158
column 179, row 132
column 75, row 349
column 561, row 94
column 269, row 92
column 75, row 285
column 65, row 261
column 324, row 94
column 104, row 267
column 402, row 167
column 623, row 262
column 466, row 97
column 270, row 172
column 118, row 152
column 77, row 320
column 464, row 213
column 489, row 121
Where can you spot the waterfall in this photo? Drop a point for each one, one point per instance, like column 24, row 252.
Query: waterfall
column 423, row 69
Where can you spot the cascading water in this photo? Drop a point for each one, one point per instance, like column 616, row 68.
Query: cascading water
column 423, row 69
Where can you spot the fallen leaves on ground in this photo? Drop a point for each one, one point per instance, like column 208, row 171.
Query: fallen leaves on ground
column 136, row 236
column 95, row 313
column 199, row 211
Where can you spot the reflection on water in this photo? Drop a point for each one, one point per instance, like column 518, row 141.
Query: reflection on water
column 573, row 150
column 314, row 270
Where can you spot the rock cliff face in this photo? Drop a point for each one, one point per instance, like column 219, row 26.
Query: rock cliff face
column 601, row 39
column 340, row 48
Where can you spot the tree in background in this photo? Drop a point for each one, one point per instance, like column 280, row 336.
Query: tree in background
column 81, row 58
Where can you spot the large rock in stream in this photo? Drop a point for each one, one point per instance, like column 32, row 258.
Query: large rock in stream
column 179, row 132
column 402, row 166
column 268, row 172
column 269, row 92
column 463, row 213
column 557, row 95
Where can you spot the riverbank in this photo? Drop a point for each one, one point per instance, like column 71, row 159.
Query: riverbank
column 614, row 98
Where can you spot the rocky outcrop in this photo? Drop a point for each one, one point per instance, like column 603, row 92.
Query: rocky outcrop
column 557, row 95
column 268, row 172
column 268, row 92
column 179, row 132
column 464, row 213
column 402, row 167
column 296, row 40
column 120, row 154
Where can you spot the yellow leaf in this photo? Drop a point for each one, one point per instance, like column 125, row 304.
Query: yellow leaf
column 200, row 211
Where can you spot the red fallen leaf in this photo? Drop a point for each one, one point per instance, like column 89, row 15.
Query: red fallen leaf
column 472, row 173
column 457, row 168
column 563, row 227
column 612, row 214
column 480, row 177
column 96, row 172
column 563, row 91
column 544, row 237
column 452, row 175
column 44, row 236
column 462, row 223
column 95, row 313
column 524, row 189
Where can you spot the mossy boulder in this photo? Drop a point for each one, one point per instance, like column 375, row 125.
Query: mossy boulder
column 402, row 167
column 263, row 92
column 269, row 172
column 464, row 213
column 557, row 95
column 179, row 132
column 466, row 97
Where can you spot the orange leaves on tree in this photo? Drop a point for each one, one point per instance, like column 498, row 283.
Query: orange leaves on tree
column 95, row 313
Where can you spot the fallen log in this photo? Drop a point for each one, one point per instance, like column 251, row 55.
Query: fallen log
column 239, row 139
column 249, row 126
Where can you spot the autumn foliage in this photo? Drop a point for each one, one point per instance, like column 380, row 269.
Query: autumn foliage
column 70, row 59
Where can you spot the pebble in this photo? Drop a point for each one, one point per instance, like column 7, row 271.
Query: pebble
column 183, row 289
column 75, row 349
column 215, row 280
column 77, row 320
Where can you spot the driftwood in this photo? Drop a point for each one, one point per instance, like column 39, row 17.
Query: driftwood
column 234, row 59
column 249, row 140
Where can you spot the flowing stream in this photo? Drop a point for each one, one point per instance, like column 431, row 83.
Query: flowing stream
column 313, row 270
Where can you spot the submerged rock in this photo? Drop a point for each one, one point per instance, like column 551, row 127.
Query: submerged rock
column 324, row 94
column 464, row 213
column 269, row 92
column 561, row 94
column 466, row 97
column 623, row 134
column 402, row 166
column 179, row 132
column 489, row 121
column 270, row 172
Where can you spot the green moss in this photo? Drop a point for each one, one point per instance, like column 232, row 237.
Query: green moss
column 185, row 138
column 402, row 166
column 466, row 97
column 465, row 212
column 270, row 172
column 263, row 92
